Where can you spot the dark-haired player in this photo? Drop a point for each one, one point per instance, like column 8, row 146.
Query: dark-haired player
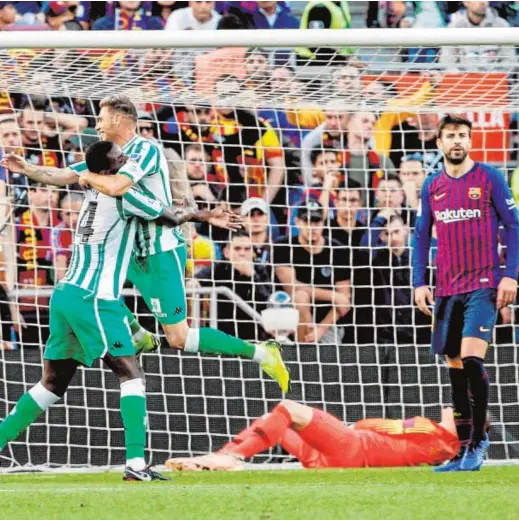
column 320, row 440
column 87, row 320
column 467, row 202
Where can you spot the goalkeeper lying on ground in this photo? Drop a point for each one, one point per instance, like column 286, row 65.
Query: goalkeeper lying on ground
column 319, row 440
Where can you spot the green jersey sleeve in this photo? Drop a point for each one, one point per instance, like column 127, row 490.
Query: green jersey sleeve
column 79, row 168
column 143, row 161
column 135, row 204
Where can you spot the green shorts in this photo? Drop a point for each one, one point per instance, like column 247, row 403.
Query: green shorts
column 85, row 328
column 160, row 280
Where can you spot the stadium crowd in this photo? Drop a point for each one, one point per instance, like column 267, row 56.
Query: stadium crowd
column 330, row 197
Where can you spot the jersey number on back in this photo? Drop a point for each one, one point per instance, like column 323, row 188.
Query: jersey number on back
column 85, row 229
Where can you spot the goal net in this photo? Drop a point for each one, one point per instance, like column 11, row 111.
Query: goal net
column 282, row 135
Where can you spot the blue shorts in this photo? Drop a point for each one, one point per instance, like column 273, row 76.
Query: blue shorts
column 468, row 315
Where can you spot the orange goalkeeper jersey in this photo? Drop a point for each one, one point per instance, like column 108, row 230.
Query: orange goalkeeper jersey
column 408, row 442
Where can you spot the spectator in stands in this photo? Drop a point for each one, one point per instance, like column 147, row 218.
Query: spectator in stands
column 129, row 16
column 146, row 126
column 388, row 15
column 398, row 323
column 257, row 214
column 204, row 184
column 412, row 176
column 41, row 147
column 258, row 70
column 164, row 9
column 34, row 262
column 77, row 144
column 348, row 226
column 7, row 14
column 190, row 124
column 247, row 279
column 476, row 14
column 331, row 133
column 347, row 81
column 326, row 176
column 63, row 233
column 271, row 15
column 389, row 202
column 13, row 186
column 198, row 16
column 62, row 16
column 396, row 314
column 363, row 164
column 315, row 270
column 249, row 149
column 417, row 135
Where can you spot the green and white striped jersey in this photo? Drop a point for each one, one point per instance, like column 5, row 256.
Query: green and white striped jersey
column 104, row 240
column 152, row 177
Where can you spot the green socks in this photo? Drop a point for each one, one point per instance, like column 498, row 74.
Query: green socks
column 214, row 341
column 133, row 412
column 137, row 331
column 28, row 408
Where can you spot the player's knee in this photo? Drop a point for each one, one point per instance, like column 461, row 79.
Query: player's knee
column 176, row 335
column 299, row 413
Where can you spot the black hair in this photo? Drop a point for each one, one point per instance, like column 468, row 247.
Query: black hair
column 316, row 152
column 454, row 120
column 96, row 156
column 391, row 177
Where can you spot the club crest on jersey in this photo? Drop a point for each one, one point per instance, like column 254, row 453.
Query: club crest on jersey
column 474, row 193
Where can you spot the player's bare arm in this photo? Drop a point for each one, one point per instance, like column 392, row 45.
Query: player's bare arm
column 218, row 217
column 111, row 185
column 45, row 174
column 423, row 298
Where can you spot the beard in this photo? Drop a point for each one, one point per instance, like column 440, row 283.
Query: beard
column 456, row 160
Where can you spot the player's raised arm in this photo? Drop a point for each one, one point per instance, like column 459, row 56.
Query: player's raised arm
column 506, row 209
column 420, row 249
column 45, row 174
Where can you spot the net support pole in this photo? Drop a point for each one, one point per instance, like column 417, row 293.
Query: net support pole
column 260, row 38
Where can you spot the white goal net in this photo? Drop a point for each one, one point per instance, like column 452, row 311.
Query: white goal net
column 283, row 135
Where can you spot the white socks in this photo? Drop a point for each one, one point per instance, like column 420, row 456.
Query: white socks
column 43, row 397
column 260, row 354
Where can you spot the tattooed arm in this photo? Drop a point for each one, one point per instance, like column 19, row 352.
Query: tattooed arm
column 44, row 174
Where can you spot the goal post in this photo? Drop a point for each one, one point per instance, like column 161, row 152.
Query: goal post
column 244, row 114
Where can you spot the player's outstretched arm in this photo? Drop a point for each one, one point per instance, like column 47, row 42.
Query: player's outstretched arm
column 219, row 217
column 45, row 174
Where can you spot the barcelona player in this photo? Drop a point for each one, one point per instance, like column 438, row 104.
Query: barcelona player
column 320, row 440
column 467, row 201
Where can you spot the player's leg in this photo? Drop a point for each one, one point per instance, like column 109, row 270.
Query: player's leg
column 480, row 319
column 166, row 298
column 58, row 369
column 51, row 388
column 144, row 340
column 101, row 329
column 446, row 341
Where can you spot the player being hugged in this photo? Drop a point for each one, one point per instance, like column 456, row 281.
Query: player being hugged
column 467, row 202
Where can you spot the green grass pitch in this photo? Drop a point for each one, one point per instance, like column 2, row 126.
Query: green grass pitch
column 382, row 494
